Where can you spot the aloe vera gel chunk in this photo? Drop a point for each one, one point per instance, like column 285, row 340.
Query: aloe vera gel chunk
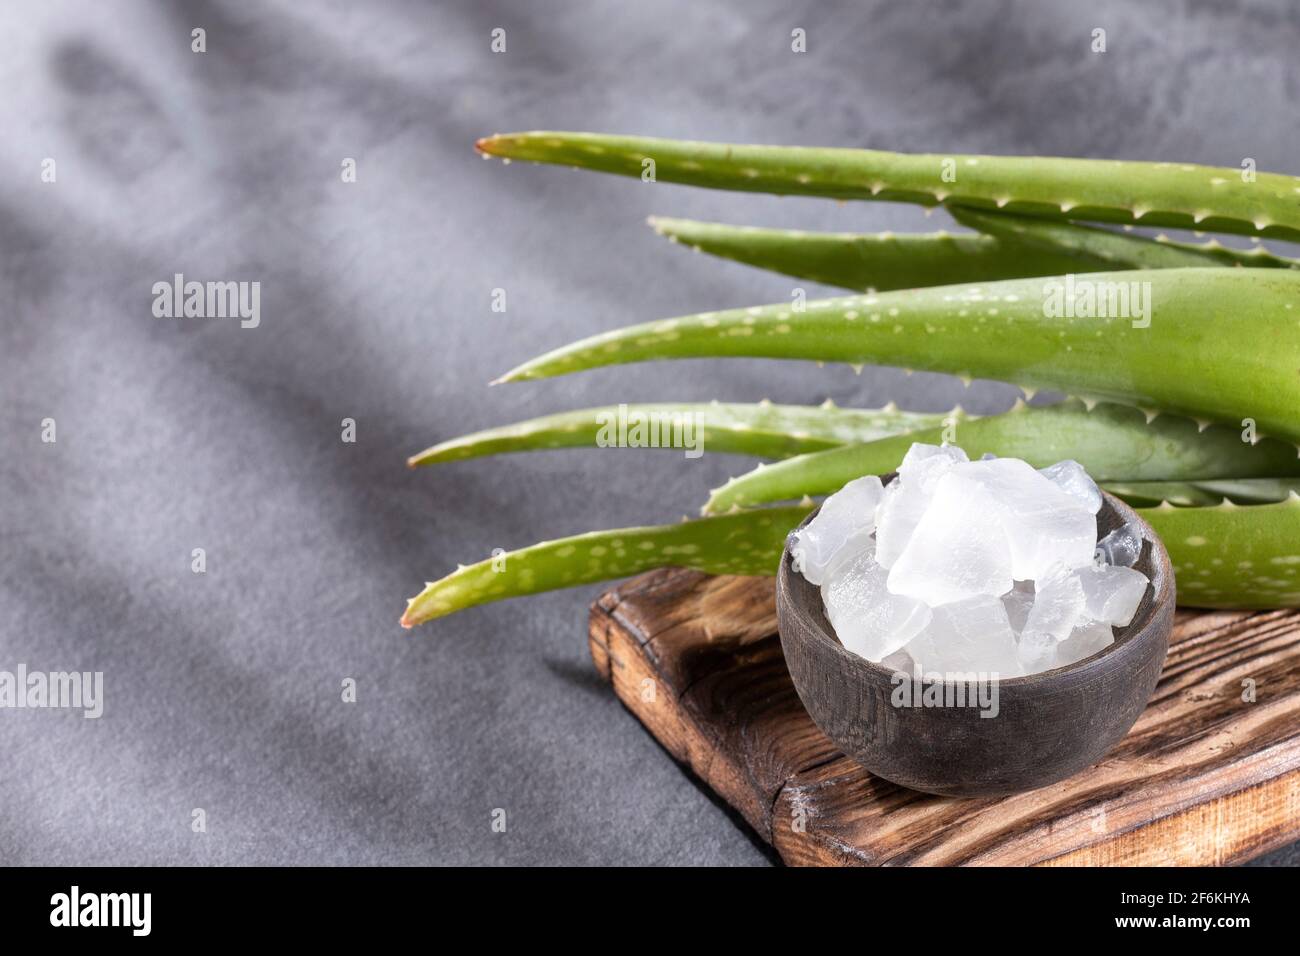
column 962, row 566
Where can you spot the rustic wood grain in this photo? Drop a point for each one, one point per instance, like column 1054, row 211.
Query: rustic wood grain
column 1204, row 777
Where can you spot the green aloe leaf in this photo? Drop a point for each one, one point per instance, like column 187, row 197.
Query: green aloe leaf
column 762, row 429
column 1108, row 249
column 1115, row 443
column 880, row 261
column 1231, row 556
column 1242, row 491
column 1104, row 248
column 1177, row 195
column 1007, row 247
column 1224, row 557
column 1256, row 257
column 748, row 543
column 1215, row 344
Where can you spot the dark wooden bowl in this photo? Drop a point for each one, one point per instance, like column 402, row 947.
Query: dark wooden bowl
column 1047, row 727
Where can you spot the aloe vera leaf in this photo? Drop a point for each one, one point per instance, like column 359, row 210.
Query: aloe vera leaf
column 1148, row 494
column 1113, row 442
column 1224, row 557
column 1242, row 491
column 1114, row 250
column 763, row 429
column 1217, row 344
column 884, row 261
column 879, row 261
column 748, row 543
column 1182, row 196
column 1231, row 556
column 1256, row 257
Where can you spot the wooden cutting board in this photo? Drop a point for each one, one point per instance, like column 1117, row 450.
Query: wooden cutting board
column 1206, row 776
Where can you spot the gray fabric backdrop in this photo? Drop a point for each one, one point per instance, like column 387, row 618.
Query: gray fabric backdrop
column 223, row 689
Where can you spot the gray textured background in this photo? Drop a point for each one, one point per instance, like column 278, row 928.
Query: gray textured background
column 223, row 689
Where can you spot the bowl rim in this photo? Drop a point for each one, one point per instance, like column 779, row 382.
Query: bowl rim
column 1137, row 628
